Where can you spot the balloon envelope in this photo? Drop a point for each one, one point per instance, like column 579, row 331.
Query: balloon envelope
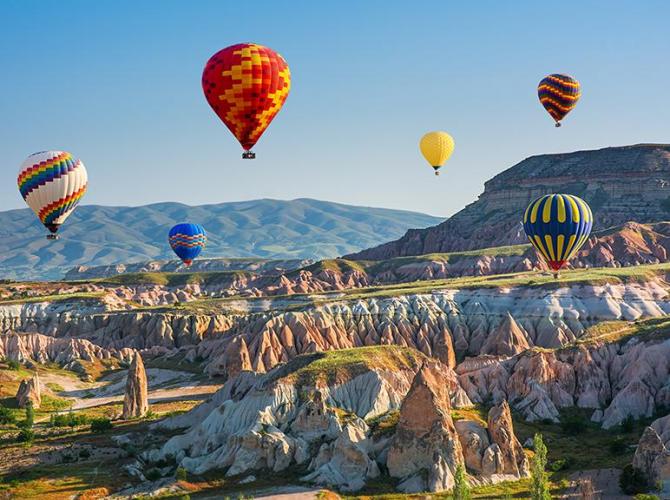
column 558, row 225
column 559, row 95
column 436, row 148
column 52, row 183
column 246, row 86
column 187, row 241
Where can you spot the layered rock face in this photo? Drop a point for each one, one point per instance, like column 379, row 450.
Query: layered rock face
column 29, row 393
column 617, row 381
column 136, row 401
column 469, row 320
column 41, row 348
column 621, row 184
column 296, row 417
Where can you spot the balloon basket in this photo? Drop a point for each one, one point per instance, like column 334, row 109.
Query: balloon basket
column 52, row 237
column 248, row 155
column 557, row 124
column 556, row 275
column 437, row 173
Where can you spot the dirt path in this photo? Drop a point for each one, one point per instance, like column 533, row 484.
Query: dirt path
column 164, row 385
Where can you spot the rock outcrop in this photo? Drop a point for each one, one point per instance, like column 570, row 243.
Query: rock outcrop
column 136, row 400
column 493, row 453
column 637, row 192
column 652, row 455
column 29, row 393
column 425, row 450
column 617, row 380
column 296, row 416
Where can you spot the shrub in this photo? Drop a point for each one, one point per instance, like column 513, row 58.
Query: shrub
column 618, row 446
column 84, row 453
column 645, row 496
column 7, row 416
column 69, row 419
column 25, row 436
column 153, row 475
column 561, row 464
column 180, row 474
column 573, row 425
column 12, row 364
column 101, row 424
column 628, row 425
column 633, row 481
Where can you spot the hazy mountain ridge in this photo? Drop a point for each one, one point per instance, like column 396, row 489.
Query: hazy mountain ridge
column 621, row 184
column 270, row 229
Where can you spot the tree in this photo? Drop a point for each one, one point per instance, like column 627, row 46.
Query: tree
column 461, row 489
column 539, row 480
column 30, row 416
column 7, row 417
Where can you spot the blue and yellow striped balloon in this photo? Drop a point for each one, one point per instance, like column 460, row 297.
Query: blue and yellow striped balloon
column 558, row 225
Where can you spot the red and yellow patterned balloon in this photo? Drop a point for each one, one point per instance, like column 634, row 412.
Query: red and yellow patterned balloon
column 246, row 86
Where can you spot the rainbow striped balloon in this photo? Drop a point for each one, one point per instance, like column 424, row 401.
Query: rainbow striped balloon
column 558, row 225
column 52, row 183
column 187, row 241
column 559, row 95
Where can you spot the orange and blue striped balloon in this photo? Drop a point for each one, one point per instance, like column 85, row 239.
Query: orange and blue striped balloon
column 187, row 241
column 559, row 95
column 558, row 225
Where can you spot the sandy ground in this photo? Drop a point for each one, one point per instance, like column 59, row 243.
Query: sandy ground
column 164, row 385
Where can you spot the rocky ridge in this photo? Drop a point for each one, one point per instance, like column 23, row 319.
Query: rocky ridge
column 621, row 184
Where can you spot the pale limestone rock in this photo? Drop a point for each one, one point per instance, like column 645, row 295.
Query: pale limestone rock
column 425, row 450
column 29, row 393
column 136, row 400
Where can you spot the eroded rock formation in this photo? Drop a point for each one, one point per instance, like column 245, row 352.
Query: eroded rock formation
column 29, row 393
column 136, row 400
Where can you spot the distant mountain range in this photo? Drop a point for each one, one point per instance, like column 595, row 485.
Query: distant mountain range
column 621, row 184
column 269, row 229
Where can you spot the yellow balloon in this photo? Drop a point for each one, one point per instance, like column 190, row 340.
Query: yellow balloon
column 436, row 148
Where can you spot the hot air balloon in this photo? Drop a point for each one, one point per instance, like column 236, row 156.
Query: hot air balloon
column 246, row 86
column 558, row 225
column 187, row 240
column 436, row 148
column 559, row 95
column 52, row 183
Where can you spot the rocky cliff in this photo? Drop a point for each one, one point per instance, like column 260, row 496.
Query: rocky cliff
column 621, row 184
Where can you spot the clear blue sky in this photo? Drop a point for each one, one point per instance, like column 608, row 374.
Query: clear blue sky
column 117, row 83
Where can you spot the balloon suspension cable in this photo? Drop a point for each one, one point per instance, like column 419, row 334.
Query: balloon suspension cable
column 248, row 155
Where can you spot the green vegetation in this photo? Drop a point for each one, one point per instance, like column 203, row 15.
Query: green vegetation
column 384, row 425
column 101, row 424
column 69, row 419
column 7, row 416
column 332, row 366
column 461, row 490
column 539, row 480
column 633, row 481
column 173, row 279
